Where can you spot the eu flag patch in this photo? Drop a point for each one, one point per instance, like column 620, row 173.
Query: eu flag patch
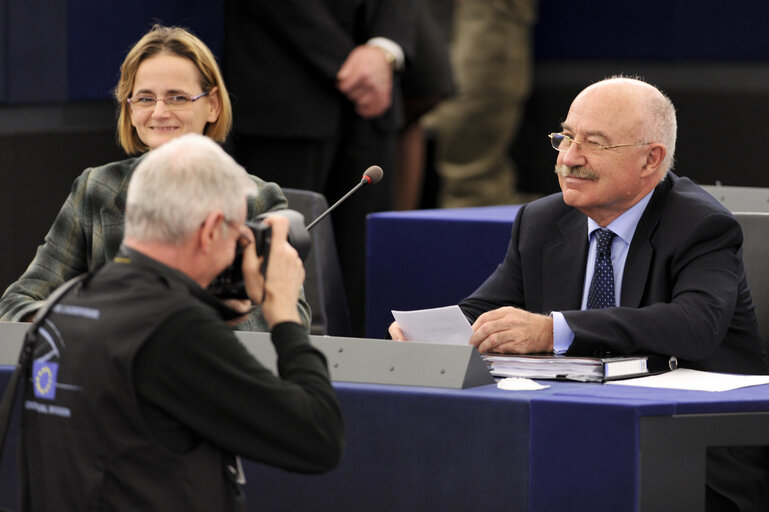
column 44, row 375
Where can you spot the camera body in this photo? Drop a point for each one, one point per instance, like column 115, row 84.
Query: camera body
column 230, row 284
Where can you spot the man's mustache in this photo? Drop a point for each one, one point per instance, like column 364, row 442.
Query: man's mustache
column 564, row 171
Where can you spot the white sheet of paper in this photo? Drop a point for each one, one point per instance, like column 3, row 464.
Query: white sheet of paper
column 694, row 380
column 519, row 384
column 438, row 325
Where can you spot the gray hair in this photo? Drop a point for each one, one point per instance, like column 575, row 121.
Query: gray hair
column 660, row 125
column 179, row 184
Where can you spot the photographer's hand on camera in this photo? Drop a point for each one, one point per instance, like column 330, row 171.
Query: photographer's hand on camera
column 243, row 306
column 278, row 291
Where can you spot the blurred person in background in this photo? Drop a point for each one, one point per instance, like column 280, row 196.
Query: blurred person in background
column 317, row 97
column 492, row 58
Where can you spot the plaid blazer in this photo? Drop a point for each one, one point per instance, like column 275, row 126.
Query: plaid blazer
column 88, row 232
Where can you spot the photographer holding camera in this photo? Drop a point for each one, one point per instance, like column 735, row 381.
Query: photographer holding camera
column 141, row 397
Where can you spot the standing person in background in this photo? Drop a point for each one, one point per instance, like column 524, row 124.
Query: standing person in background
column 317, row 100
column 170, row 85
column 492, row 61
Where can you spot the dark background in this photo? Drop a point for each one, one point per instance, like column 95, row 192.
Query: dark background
column 59, row 60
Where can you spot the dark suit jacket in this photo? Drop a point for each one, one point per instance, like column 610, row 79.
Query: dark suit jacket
column 684, row 291
column 282, row 56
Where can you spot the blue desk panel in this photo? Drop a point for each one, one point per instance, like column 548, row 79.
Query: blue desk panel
column 584, row 439
column 430, row 258
column 412, row 448
column 572, row 446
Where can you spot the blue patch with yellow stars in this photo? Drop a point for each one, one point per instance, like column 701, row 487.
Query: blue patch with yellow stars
column 44, row 379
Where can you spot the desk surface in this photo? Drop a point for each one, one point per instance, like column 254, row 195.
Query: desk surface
column 418, row 448
column 647, row 401
column 432, row 448
column 413, row 448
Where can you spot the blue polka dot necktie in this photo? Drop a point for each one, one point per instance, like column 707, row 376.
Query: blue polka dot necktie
column 601, row 294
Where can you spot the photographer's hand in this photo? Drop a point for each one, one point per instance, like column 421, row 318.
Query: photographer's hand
column 285, row 275
column 243, row 306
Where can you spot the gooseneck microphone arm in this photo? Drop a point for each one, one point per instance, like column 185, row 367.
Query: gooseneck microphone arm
column 372, row 175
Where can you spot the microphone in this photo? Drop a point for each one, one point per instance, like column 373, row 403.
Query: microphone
column 372, row 175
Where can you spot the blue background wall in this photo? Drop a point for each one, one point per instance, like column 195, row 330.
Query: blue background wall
column 69, row 50
column 654, row 29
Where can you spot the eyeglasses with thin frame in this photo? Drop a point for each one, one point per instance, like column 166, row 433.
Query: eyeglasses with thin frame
column 562, row 142
column 173, row 102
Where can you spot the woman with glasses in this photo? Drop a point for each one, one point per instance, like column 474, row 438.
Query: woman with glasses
column 170, row 84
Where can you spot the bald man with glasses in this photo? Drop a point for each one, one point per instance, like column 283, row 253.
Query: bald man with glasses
column 628, row 258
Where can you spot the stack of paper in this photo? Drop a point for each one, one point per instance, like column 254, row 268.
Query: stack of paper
column 584, row 369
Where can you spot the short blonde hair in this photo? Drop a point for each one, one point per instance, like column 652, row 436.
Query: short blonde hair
column 174, row 41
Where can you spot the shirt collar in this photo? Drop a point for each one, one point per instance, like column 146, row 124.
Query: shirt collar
column 624, row 225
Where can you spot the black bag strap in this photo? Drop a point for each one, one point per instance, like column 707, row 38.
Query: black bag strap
column 25, row 357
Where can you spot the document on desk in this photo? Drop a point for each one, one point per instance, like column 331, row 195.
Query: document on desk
column 446, row 325
column 583, row 369
column 695, row 380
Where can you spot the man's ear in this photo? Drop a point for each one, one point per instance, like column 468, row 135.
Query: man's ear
column 210, row 230
column 654, row 158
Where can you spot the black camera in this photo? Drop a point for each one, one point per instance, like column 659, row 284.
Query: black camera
column 230, row 283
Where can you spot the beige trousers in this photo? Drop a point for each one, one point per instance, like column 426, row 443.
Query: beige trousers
column 492, row 59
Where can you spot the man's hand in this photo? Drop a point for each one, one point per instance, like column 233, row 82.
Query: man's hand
column 285, row 275
column 512, row 330
column 242, row 306
column 395, row 332
column 366, row 78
